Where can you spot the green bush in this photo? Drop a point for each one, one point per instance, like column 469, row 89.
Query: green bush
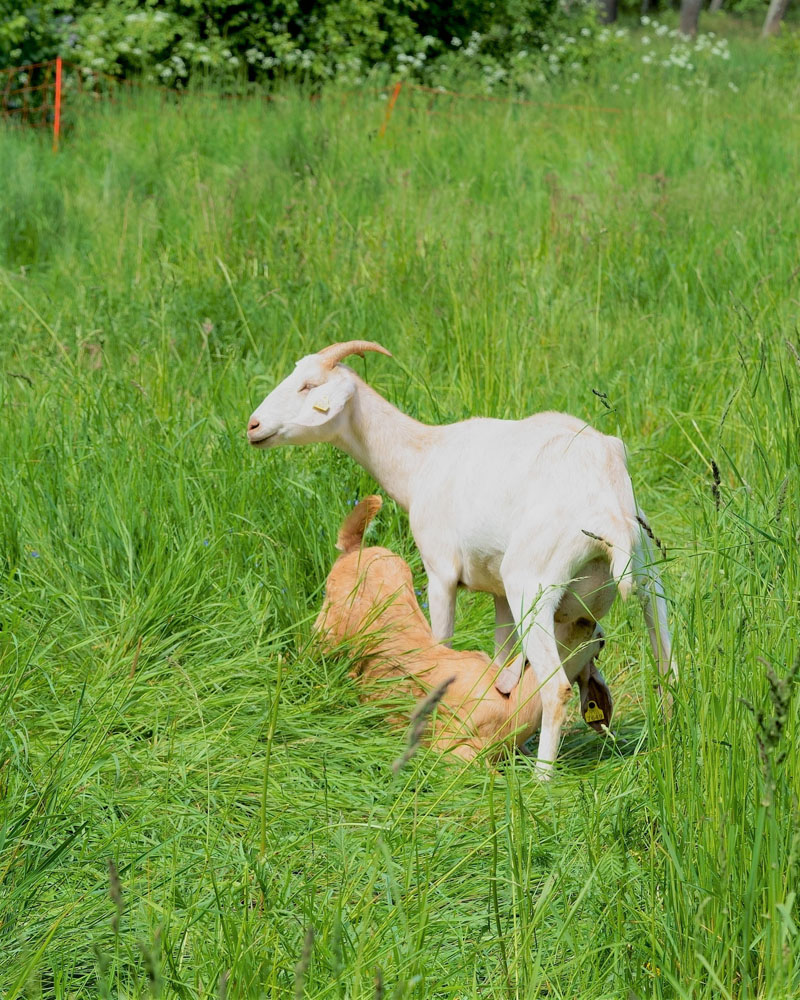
column 33, row 33
column 350, row 40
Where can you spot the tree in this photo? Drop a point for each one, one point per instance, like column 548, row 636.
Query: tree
column 608, row 11
column 772, row 23
column 690, row 15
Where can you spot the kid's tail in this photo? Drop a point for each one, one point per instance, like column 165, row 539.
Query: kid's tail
column 351, row 533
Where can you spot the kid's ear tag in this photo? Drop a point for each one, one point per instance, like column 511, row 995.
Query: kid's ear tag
column 323, row 405
column 593, row 712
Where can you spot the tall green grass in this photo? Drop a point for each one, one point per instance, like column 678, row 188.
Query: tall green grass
column 163, row 705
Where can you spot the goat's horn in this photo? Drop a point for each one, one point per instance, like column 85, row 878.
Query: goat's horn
column 338, row 352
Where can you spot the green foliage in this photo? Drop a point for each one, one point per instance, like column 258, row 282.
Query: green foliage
column 172, row 41
column 175, row 40
column 161, row 704
column 33, row 32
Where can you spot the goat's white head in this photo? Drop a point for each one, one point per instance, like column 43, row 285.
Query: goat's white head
column 307, row 405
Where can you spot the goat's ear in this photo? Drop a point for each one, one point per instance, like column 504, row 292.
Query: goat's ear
column 325, row 402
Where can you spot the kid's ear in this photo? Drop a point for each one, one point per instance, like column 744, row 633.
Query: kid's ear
column 324, row 403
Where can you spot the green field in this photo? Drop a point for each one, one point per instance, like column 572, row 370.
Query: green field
column 162, row 702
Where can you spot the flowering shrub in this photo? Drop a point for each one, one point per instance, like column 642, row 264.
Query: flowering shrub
column 514, row 46
column 172, row 40
column 684, row 61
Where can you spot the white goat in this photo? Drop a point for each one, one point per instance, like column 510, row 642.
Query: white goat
column 538, row 512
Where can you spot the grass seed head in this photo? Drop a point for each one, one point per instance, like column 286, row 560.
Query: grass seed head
column 115, row 891
column 301, row 968
column 151, row 964
column 770, row 725
column 222, row 985
column 715, row 484
column 419, row 720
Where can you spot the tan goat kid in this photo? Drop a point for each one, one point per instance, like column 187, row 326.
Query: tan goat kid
column 370, row 605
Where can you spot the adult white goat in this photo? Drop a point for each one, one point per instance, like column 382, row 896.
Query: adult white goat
column 538, row 512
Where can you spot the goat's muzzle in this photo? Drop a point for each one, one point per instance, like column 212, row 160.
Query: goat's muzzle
column 256, row 435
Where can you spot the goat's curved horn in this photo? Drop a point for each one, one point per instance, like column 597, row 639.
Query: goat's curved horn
column 338, row 352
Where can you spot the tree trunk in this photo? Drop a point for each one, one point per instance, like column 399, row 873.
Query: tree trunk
column 690, row 15
column 608, row 11
column 715, row 5
column 772, row 24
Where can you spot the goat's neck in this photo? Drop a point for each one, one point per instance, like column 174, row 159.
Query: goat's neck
column 388, row 443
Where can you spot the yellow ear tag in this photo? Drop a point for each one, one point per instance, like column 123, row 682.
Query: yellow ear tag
column 323, row 405
column 593, row 712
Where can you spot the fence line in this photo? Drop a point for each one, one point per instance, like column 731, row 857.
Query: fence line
column 37, row 95
column 519, row 101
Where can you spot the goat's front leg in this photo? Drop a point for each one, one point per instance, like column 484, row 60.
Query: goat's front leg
column 505, row 643
column 442, row 606
column 555, row 692
column 537, row 604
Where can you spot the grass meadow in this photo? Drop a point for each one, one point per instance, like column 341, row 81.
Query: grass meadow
column 163, row 705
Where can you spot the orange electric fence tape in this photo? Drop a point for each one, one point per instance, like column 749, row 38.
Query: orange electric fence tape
column 57, row 107
column 390, row 106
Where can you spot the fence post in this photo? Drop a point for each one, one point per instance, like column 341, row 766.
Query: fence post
column 57, row 107
column 390, row 106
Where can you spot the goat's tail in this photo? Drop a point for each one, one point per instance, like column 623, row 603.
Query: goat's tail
column 633, row 566
column 622, row 545
column 351, row 533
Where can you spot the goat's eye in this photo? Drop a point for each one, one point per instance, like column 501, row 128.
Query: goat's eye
column 306, row 387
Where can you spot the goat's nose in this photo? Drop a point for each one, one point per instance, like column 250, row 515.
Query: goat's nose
column 253, row 425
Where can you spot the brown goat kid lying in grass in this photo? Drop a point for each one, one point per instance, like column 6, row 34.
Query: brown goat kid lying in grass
column 370, row 604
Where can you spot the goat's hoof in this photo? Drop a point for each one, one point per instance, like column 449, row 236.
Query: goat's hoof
column 506, row 681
